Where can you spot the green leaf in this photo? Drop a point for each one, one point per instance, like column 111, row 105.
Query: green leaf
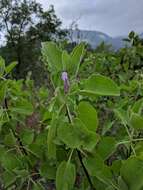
column 46, row 116
column 2, row 66
column 21, row 173
column 122, row 184
column 8, row 178
column 41, row 138
column 10, row 161
column 132, row 173
column 98, row 184
column 66, row 133
column 96, row 167
column 81, row 135
column 100, row 85
column 65, row 176
column 106, row 147
column 136, row 121
column 76, row 57
column 88, row 115
column 90, row 141
column 36, row 149
column 43, row 93
column 122, row 115
column 66, row 61
column 53, row 56
column 107, row 127
column 27, row 136
column 48, row 171
column 9, row 139
column 3, row 89
column 23, row 107
column 139, row 149
column 10, row 67
column 37, row 186
column 138, row 105
column 93, row 164
column 115, row 167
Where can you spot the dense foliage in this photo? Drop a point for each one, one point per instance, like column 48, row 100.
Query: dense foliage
column 24, row 24
column 82, row 132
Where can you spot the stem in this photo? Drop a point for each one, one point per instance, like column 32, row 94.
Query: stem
column 28, row 185
column 79, row 154
column 85, row 170
column 52, row 83
column 70, row 156
column 133, row 140
column 69, row 114
column 130, row 137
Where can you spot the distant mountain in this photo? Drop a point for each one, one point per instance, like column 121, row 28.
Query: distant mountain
column 94, row 38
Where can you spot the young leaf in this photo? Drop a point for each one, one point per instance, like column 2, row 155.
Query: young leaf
column 138, row 105
column 10, row 67
column 100, row 85
column 136, row 121
column 76, row 57
column 122, row 115
column 66, row 61
column 88, row 115
column 53, row 56
column 65, row 176
column 131, row 172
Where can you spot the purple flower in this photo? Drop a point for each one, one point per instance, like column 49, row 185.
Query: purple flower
column 64, row 76
column 66, row 81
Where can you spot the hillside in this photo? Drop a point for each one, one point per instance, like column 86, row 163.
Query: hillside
column 94, row 38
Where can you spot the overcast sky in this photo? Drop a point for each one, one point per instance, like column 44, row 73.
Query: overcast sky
column 114, row 17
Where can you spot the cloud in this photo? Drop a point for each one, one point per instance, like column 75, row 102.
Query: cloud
column 114, row 17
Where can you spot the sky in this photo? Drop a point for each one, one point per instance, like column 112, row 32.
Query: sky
column 113, row 17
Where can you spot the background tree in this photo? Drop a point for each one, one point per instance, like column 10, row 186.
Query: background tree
column 25, row 25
